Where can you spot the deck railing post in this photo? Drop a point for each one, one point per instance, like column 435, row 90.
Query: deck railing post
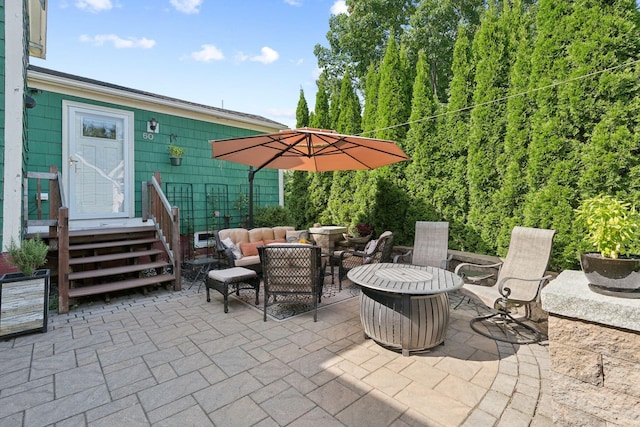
column 63, row 260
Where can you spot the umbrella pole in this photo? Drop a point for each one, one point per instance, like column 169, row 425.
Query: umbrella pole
column 251, row 174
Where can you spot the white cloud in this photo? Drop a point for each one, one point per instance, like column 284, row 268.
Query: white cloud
column 187, row 6
column 241, row 57
column 208, row 53
column 316, row 73
column 339, row 7
column 297, row 61
column 293, row 2
column 94, row 6
column 118, row 42
column 267, row 56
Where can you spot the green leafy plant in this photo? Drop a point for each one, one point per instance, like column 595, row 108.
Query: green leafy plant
column 175, row 150
column 613, row 226
column 272, row 216
column 29, row 256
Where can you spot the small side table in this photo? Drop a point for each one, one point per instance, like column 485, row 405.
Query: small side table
column 238, row 277
column 201, row 266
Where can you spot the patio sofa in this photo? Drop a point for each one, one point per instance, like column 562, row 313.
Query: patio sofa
column 244, row 251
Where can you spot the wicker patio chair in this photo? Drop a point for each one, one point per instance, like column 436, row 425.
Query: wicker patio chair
column 430, row 246
column 376, row 251
column 292, row 269
column 520, row 279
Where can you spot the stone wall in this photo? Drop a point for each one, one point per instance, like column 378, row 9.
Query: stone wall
column 595, row 373
column 594, row 354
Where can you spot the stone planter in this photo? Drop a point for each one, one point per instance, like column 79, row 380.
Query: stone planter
column 616, row 277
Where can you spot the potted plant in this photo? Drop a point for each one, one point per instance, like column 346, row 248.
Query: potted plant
column 25, row 295
column 175, row 154
column 613, row 229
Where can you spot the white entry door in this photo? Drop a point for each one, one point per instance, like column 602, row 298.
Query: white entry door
column 98, row 162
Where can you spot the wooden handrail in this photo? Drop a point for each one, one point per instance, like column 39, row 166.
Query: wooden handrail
column 166, row 219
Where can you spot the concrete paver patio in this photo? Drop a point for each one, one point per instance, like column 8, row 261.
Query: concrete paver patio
column 172, row 359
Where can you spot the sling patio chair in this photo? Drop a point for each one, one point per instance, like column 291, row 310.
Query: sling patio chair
column 430, row 246
column 376, row 251
column 292, row 269
column 520, row 279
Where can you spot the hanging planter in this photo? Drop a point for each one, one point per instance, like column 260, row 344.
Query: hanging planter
column 175, row 154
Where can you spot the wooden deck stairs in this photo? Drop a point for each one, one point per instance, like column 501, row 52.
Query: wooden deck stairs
column 103, row 261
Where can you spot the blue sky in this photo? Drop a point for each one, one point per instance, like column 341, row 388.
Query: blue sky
column 251, row 56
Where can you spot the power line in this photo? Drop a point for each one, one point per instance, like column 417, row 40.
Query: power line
column 494, row 101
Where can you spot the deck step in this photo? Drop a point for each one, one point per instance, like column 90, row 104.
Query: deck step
column 111, row 231
column 112, row 244
column 103, row 272
column 120, row 285
column 115, row 257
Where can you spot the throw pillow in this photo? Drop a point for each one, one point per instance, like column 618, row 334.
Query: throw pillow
column 371, row 247
column 228, row 243
column 369, row 250
column 250, row 249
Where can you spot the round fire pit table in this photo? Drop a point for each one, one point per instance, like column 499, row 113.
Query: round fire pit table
column 404, row 306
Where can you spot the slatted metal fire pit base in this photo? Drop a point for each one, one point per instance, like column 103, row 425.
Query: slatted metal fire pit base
column 404, row 322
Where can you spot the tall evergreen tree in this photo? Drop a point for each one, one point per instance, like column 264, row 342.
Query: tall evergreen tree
column 423, row 147
column 321, row 116
column 350, row 119
column 511, row 164
column 302, row 111
column 371, row 101
column 487, row 130
column 334, row 107
column 421, row 143
column 451, row 197
column 394, row 98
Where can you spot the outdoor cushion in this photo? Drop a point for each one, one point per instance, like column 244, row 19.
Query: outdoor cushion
column 294, row 236
column 250, row 249
column 268, row 242
column 369, row 249
column 228, row 243
column 260, row 233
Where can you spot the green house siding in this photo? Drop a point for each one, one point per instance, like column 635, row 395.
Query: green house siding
column 197, row 174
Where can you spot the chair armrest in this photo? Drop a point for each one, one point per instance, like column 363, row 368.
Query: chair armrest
column 346, row 254
column 475, row 266
column 404, row 257
column 468, row 264
column 506, row 291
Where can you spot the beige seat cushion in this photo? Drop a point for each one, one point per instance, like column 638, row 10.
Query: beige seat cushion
column 237, row 235
column 248, row 260
column 262, row 233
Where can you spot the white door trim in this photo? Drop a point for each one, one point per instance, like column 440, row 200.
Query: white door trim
column 67, row 116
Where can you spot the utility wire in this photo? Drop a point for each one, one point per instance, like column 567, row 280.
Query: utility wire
column 494, row 101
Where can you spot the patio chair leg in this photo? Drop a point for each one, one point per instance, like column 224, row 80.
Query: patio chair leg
column 505, row 322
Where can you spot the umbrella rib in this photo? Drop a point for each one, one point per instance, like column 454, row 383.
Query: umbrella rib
column 345, row 152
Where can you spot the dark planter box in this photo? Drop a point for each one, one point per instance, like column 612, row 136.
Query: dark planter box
column 24, row 303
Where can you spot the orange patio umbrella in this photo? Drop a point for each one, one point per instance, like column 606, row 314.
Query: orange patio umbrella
column 306, row 149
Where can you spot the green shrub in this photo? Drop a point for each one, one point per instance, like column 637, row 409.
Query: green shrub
column 29, row 256
column 612, row 225
column 272, row 216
